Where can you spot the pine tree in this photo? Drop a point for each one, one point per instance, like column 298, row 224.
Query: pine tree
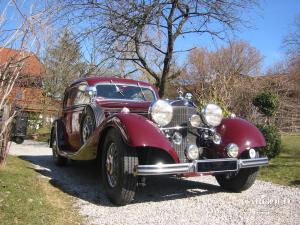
column 63, row 65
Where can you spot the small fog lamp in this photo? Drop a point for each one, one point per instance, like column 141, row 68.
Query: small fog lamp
column 177, row 138
column 252, row 153
column 217, row 139
column 232, row 150
column 192, row 152
column 195, row 120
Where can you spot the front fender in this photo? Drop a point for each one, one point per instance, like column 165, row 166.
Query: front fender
column 138, row 131
column 240, row 132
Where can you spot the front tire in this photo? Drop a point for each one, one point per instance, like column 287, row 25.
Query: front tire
column 118, row 164
column 241, row 181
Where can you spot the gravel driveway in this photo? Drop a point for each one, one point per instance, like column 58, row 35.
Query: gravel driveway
column 166, row 200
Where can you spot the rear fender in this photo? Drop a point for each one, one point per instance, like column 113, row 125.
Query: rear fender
column 240, row 132
column 59, row 128
column 138, row 131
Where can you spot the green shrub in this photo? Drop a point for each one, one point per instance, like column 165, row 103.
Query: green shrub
column 273, row 140
column 267, row 103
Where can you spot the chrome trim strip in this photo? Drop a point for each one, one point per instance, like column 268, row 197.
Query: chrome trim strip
column 247, row 163
column 173, row 128
column 181, row 168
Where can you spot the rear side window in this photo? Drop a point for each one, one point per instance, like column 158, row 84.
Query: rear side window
column 81, row 96
column 76, row 95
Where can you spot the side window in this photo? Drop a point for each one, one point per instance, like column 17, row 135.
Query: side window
column 69, row 98
column 81, row 96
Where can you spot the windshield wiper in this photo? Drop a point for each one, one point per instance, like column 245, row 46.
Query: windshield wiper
column 142, row 91
column 118, row 90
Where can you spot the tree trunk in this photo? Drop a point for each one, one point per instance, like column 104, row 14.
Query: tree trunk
column 5, row 135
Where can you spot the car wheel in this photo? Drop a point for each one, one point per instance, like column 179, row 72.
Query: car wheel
column 18, row 140
column 87, row 125
column 241, row 181
column 57, row 159
column 118, row 164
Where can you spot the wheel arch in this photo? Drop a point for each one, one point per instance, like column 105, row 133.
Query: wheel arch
column 130, row 127
column 240, row 132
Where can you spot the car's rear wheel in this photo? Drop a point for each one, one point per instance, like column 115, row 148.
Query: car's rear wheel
column 57, row 159
column 87, row 125
column 18, row 140
column 118, row 163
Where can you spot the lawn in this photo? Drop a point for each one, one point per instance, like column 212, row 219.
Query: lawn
column 27, row 198
column 285, row 168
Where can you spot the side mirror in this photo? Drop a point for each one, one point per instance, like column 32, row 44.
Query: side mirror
column 188, row 96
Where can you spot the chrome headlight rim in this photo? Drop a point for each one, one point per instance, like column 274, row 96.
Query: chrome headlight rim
column 212, row 115
column 161, row 112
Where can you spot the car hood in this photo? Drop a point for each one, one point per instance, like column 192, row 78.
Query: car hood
column 118, row 105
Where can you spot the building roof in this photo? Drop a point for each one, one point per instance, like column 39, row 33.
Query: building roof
column 32, row 65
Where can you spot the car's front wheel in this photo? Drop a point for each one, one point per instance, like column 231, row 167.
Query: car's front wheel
column 118, row 163
column 241, row 181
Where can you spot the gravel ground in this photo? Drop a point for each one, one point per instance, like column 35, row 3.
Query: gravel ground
column 166, row 200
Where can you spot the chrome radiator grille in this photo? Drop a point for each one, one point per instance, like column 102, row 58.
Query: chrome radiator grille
column 181, row 115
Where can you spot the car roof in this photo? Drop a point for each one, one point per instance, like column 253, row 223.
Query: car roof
column 92, row 81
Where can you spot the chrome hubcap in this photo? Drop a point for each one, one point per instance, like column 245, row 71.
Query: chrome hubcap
column 87, row 128
column 112, row 165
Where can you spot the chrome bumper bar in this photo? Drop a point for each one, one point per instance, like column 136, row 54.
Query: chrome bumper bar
column 181, row 168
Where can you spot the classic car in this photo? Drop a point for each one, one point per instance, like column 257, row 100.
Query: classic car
column 134, row 134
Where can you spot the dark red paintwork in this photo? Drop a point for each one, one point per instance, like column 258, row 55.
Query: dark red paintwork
column 141, row 132
column 117, row 105
column 240, row 132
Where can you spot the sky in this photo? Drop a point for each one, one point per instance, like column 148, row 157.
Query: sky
column 270, row 22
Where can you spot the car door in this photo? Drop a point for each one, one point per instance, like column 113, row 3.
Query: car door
column 81, row 99
column 76, row 98
column 67, row 116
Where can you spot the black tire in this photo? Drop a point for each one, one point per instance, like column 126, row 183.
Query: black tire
column 242, row 181
column 118, row 163
column 18, row 140
column 57, row 159
column 87, row 125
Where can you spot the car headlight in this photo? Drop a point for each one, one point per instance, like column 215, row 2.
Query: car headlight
column 212, row 115
column 161, row 112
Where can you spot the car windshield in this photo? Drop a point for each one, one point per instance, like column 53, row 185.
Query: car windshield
column 125, row 91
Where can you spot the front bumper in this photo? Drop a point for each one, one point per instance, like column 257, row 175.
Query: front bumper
column 208, row 166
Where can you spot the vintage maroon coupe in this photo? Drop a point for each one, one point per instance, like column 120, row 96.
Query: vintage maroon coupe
column 134, row 134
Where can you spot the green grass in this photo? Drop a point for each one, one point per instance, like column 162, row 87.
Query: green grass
column 285, row 168
column 27, row 198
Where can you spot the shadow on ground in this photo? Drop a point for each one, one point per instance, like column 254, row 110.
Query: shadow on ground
column 82, row 180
